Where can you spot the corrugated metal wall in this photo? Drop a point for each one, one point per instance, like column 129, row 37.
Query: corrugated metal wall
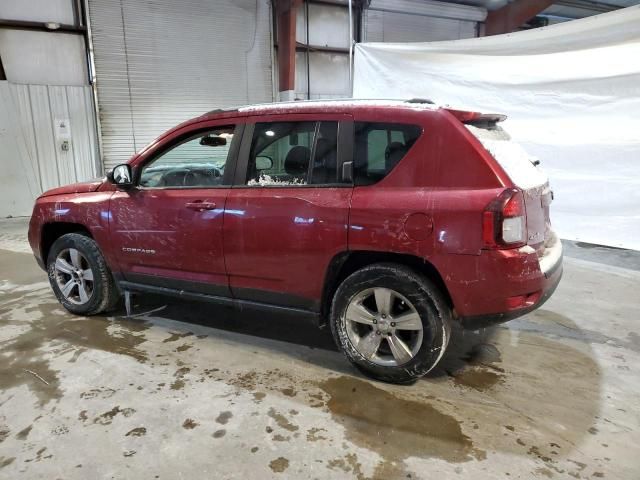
column 47, row 139
column 160, row 62
column 405, row 27
column 419, row 21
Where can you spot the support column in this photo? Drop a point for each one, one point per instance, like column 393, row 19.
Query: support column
column 286, row 25
column 511, row 16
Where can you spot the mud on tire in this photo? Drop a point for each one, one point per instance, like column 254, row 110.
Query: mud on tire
column 424, row 297
column 104, row 295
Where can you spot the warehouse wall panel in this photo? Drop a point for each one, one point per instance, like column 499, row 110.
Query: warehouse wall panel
column 419, row 21
column 319, row 73
column 328, row 25
column 328, row 72
column 47, row 139
column 404, row 27
column 60, row 11
column 432, row 9
column 43, row 133
column 43, row 58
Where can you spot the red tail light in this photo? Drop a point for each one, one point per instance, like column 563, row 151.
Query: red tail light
column 504, row 221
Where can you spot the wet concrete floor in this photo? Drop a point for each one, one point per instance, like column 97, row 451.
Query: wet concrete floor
column 185, row 390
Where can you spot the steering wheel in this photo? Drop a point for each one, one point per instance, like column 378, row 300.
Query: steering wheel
column 194, row 178
column 188, row 178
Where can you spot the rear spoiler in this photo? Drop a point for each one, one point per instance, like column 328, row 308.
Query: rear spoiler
column 477, row 119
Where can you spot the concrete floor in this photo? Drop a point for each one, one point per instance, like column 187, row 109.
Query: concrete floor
column 195, row 391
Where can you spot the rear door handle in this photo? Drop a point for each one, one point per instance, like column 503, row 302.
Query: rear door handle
column 200, row 206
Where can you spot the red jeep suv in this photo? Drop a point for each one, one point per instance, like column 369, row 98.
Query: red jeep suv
column 389, row 220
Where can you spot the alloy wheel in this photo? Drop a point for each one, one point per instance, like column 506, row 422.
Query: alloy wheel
column 74, row 276
column 383, row 326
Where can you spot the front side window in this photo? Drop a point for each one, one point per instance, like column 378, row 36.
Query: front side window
column 198, row 161
column 379, row 147
column 293, row 153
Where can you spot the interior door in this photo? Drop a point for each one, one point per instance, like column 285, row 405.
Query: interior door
column 287, row 215
column 167, row 230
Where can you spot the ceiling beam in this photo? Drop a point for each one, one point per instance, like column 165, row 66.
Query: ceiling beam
column 51, row 27
column 511, row 16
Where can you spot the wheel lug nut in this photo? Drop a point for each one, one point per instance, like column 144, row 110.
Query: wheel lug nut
column 384, row 316
column 375, row 321
column 393, row 324
column 377, row 332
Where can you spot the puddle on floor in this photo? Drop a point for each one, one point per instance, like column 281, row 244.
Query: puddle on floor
column 512, row 402
column 477, row 377
column 53, row 331
column 477, row 367
column 556, row 325
column 395, row 428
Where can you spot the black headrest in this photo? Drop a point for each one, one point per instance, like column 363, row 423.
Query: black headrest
column 326, row 153
column 297, row 160
column 393, row 153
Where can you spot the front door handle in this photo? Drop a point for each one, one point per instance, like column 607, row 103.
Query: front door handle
column 201, row 206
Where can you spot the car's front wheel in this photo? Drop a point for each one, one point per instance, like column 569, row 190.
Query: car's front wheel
column 79, row 275
column 391, row 322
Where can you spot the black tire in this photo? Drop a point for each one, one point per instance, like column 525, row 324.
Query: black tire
column 435, row 315
column 104, row 295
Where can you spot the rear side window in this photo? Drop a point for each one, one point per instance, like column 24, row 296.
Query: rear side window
column 293, row 154
column 519, row 165
column 379, row 147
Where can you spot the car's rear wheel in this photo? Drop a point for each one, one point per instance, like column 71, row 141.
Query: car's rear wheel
column 391, row 322
column 79, row 275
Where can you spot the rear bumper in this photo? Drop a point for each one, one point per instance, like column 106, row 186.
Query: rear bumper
column 514, row 283
column 483, row 321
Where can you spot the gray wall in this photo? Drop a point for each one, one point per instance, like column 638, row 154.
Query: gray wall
column 36, row 121
column 47, row 119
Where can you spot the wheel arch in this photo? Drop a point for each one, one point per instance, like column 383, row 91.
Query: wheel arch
column 53, row 230
column 345, row 263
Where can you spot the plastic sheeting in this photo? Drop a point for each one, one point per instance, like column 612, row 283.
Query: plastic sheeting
column 572, row 94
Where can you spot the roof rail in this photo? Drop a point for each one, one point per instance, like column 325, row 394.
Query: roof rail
column 221, row 110
column 420, row 100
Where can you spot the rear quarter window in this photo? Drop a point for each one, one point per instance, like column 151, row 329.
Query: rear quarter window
column 379, row 147
column 512, row 157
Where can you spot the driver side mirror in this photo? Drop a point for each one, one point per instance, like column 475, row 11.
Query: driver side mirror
column 122, row 175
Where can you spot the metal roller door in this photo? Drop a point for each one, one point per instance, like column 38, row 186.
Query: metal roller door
column 160, row 62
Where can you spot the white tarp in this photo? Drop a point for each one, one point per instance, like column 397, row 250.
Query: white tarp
column 572, row 94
